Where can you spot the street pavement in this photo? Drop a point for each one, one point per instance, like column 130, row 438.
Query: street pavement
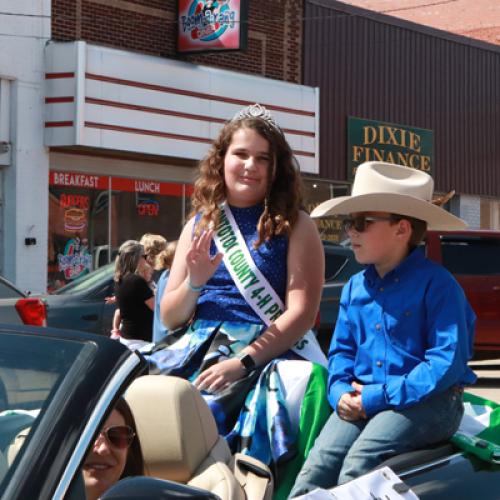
column 488, row 382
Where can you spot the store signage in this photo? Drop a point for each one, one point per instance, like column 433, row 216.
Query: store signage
column 211, row 25
column 78, row 180
column 148, row 208
column 74, row 200
column 370, row 140
column 75, row 259
column 146, row 186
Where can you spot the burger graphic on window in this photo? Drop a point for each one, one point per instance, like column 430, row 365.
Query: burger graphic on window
column 75, row 220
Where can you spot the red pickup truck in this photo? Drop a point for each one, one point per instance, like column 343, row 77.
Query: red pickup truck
column 473, row 257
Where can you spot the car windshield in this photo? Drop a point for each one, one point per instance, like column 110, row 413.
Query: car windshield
column 32, row 370
column 88, row 281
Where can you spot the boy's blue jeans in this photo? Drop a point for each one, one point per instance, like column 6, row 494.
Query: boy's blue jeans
column 346, row 450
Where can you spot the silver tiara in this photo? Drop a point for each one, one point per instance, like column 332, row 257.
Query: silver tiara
column 256, row 111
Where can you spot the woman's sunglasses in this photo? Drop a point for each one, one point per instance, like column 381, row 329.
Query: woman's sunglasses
column 361, row 222
column 119, row 436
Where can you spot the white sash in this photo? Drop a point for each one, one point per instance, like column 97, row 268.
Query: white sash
column 253, row 285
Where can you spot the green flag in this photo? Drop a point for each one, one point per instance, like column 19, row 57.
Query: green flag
column 479, row 431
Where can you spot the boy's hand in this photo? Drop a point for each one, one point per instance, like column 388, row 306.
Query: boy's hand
column 357, row 387
column 350, row 407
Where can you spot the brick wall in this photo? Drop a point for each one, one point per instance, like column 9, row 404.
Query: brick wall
column 479, row 19
column 149, row 26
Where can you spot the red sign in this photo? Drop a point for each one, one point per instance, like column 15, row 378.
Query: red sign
column 73, row 200
column 77, row 180
column 88, row 181
column 211, row 25
column 149, row 208
column 146, row 186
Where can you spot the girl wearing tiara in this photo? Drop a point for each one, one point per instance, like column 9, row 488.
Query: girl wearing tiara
column 247, row 278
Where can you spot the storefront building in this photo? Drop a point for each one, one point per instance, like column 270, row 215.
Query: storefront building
column 108, row 122
column 396, row 91
column 103, row 121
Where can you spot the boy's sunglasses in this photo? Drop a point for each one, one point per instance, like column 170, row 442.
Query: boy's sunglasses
column 361, row 222
column 119, row 436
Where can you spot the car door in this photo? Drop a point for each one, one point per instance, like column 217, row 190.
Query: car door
column 475, row 263
column 81, row 305
column 90, row 311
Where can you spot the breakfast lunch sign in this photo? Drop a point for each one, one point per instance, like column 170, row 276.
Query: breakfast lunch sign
column 211, row 25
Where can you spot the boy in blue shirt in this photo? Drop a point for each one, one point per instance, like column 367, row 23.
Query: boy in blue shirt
column 403, row 337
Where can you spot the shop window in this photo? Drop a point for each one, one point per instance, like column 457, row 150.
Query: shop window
column 143, row 206
column 78, row 224
column 86, row 230
column 315, row 192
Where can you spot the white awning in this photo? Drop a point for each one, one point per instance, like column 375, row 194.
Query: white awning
column 99, row 97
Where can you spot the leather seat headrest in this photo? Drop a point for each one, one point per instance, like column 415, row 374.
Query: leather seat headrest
column 175, row 426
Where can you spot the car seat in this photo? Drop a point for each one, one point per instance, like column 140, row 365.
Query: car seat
column 17, row 444
column 180, row 441
column 4, row 466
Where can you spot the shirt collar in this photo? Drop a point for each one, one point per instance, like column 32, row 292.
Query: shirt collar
column 409, row 262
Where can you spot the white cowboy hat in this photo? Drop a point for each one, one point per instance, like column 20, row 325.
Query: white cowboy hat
column 385, row 187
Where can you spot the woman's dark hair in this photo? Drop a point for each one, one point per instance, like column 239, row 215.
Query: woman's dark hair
column 284, row 192
column 135, row 461
column 128, row 259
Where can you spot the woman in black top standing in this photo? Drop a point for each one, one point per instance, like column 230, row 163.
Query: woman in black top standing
column 134, row 295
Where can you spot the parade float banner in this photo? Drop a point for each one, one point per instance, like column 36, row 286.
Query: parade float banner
column 370, row 140
column 205, row 25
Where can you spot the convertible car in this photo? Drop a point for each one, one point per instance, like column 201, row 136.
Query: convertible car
column 57, row 388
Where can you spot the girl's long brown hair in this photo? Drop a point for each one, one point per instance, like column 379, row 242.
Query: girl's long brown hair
column 284, row 192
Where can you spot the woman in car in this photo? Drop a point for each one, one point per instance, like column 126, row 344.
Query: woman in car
column 115, row 454
column 247, row 277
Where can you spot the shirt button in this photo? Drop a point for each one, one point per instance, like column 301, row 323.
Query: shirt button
column 381, row 289
column 396, row 280
column 379, row 363
column 378, row 326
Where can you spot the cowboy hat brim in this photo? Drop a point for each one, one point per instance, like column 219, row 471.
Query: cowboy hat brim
column 401, row 204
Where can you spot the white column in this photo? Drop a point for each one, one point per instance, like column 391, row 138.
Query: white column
column 25, row 30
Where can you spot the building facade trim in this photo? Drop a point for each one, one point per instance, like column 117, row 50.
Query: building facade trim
column 96, row 97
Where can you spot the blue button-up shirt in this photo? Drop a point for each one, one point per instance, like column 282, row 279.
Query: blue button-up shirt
column 403, row 337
